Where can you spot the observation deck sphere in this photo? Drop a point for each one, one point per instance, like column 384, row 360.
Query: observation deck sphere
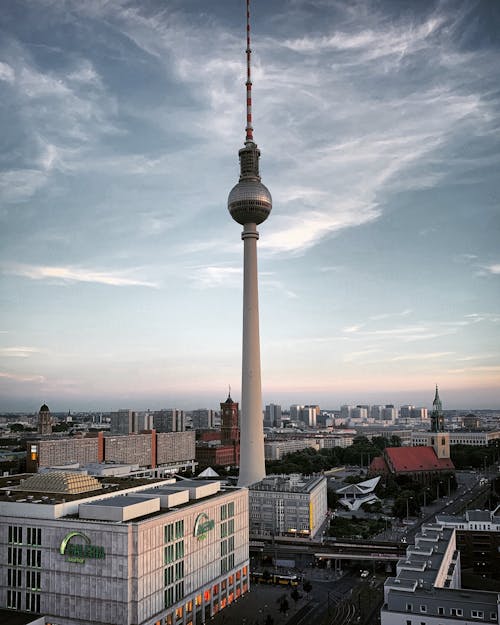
column 249, row 202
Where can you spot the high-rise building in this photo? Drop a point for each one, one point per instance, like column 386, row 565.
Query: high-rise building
column 44, row 420
column 123, row 421
column 250, row 203
column 272, row 417
column 203, row 419
column 169, row 420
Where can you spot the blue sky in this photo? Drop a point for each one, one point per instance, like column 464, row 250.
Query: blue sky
column 120, row 267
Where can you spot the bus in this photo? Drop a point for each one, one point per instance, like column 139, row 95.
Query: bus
column 274, row 578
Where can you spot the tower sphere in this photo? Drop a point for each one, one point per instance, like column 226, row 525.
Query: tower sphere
column 249, row 202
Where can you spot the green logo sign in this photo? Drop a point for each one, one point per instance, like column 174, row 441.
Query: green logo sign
column 202, row 526
column 78, row 551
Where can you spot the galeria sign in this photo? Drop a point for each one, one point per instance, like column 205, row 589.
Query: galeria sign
column 76, row 551
column 202, row 526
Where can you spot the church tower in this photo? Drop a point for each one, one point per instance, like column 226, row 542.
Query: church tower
column 44, row 420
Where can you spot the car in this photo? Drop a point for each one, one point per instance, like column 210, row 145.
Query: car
column 365, row 574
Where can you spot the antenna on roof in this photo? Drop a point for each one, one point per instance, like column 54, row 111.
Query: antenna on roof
column 249, row 129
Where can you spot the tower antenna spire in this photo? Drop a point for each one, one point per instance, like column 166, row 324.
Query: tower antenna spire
column 249, row 128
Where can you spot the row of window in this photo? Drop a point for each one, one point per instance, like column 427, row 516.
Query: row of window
column 33, row 557
column 226, row 546
column 33, row 535
column 227, row 511
column 173, row 531
column 227, row 563
column 32, row 601
column 227, row 528
column 174, row 552
column 174, row 573
column 452, row 612
column 33, row 578
column 232, row 592
column 174, row 594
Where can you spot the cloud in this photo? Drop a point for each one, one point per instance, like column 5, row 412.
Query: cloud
column 493, row 269
column 21, row 378
column 19, row 352
column 77, row 274
column 427, row 356
column 6, row 72
column 216, row 276
column 403, row 313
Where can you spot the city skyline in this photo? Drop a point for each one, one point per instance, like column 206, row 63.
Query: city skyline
column 120, row 271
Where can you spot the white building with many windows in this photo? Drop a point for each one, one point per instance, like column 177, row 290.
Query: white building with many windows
column 288, row 505
column 82, row 552
column 427, row 587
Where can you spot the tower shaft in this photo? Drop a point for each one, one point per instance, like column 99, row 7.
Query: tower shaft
column 252, row 464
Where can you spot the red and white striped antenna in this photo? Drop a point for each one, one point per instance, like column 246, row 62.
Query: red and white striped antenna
column 249, row 128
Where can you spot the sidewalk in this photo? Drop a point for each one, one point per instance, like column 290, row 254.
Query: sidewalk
column 254, row 607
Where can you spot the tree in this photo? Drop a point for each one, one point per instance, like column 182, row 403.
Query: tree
column 269, row 620
column 16, row 427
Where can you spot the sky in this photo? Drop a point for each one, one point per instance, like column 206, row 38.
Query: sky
column 120, row 266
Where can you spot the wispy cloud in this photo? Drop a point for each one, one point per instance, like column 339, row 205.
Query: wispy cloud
column 21, row 378
column 418, row 356
column 19, row 352
column 214, row 276
column 403, row 313
column 64, row 275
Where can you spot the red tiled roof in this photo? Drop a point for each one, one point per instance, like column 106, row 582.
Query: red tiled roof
column 414, row 459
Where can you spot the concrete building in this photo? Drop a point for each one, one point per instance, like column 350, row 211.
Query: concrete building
column 122, row 421
column 203, row 419
column 151, row 449
column 478, row 539
column 272, row 416
column 169, row 420
column 478, row 439
column 158, row 553
column 288, row 505
column 427, row 586
column 276, row 449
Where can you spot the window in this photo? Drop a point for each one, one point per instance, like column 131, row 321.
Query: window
column 34, row 536
column 477, row 614
column 169, row 554
column 223, row 512
column 440, row 611
column 169, row 532
column 409, row 607
column 169, row 597
column 179, row 549
column 423, row 608
column 493, row 616
column 15, row 556
column 408, row 622
column 456, row 611
column 230, row 508
column 179, row 591
column 32, row 602
column 179, row 529
column 14, row 577
column 179, row 570
column 168, row 576
column 34, row 558
column 33, row 579
column 14, row 599
column 15, row 534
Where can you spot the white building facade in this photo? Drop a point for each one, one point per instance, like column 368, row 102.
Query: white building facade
column 161, row 554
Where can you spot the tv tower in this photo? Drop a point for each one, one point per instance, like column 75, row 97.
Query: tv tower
column 250, row 203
